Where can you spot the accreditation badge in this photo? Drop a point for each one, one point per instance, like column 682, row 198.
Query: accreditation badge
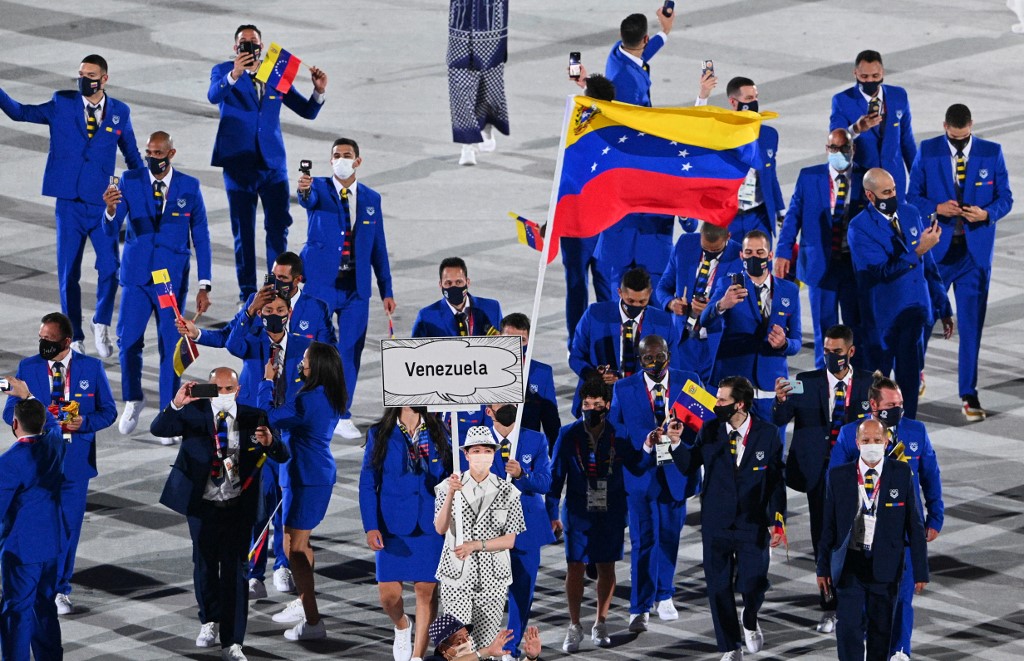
column 597, row 497
column 864, row 529
column 663, row 452
column 231, row 470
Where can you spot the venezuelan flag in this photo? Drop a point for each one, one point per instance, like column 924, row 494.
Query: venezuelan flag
column 695, row 406
column 185, row 353
column 278, row 69
column 620, row 159
column 528, row 232
column 165, row 292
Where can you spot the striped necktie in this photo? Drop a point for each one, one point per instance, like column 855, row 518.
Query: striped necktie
column 628, row 362
column 869, row 482
column 838, row 413
column 158, row 195
column 217, row 467
column 838, row 216
column 57, row 384
column 961, row 179
column 734, row 438
column 700, row 285
column 763, row 298
column 461, row 324
column 346, row 238
column 506, row 449
column 92, row 120
column 659, row 403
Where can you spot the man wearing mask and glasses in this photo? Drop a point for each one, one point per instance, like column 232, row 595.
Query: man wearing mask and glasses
column 458, row 313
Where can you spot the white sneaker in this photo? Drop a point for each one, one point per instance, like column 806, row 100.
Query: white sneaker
column 667, row 611
column 130, row 416
column 283, row 581
column 827, row 623
column 104, row 347
column 207, row 635
column 257, row 590
column 306, row 631
column 347, row 429
column 64, row 605
column 402, row 647
column 735, row 655
column 599, row 634
column 468, row 156
column 638, row 622
column 292, row 613
column 573, row 638
column 233, row 653
column 488, row 144
column 899, row 656
column 78, row 346
column 170, row 440
column 754, row 639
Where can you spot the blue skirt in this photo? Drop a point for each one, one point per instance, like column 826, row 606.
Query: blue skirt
column 409, row 558
column 304, row 508
column 596, row 537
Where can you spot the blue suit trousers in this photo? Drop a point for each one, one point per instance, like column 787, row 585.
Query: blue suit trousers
column 138, row 304
column 78, row 221
column 353, row 316
column 244, row 186
column 28, row 614
column 525, row 565
column 836, row 293
column 655, row 523
column 754, row 219
column 578, row 261
column 73, row 496
column 726, row 556
column 271, row 497
column 220, row 546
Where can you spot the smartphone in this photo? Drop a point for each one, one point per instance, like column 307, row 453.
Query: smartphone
column 797, row 387
column 269, row 279
column 669, row 7
column 737, row 279
column 114, row 181
column 204, row 390
column 5, row 385
column 874, row 107
column 827, row 597
column 705, row 67
column 247, row 47
column 306, row 167
column 574, row 65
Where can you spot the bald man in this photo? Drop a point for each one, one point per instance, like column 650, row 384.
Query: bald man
column 165, row 214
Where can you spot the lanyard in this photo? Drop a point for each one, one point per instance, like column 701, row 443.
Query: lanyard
column 650, row 397
column 747, row 433
column 590, row 471
column 27, row 439
column 868, row 503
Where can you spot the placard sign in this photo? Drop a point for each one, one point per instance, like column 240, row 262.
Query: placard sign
column 447, row 371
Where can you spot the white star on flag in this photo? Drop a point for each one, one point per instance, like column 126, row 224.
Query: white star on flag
column 684, row 153
column 593, row 167
column 605, row 150
column 686, row 167
column 640, row 135
column 623, row 139
column 673, row 143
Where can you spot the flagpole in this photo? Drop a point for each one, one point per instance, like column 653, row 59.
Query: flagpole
column 541, row 270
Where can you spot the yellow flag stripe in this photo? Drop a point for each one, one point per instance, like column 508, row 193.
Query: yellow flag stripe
column 706, row 399
column 161, row 276
column 263, row 73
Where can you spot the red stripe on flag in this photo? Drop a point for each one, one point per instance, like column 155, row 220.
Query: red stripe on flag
column 168, row 301
column 288, row 77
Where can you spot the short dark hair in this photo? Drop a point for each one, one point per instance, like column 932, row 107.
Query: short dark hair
column 31, row 416
column 958, row 116
column 452, row 263
column 636, row 279
column 62, row 321
column 325, row 370
column 758, row 234
column 733, row 88
column 868, row 56
column 248, row 26
column 881, row 382
column 279, row 295
column 291, row 260
column 347, row 141
column 600, row 88
column 596, row 387
column 632, row 30
column 714, row 232
column 98, row 60
column 840, row 332
column 516, row 320
column 741, row 390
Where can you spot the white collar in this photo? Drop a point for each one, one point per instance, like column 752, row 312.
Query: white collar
column 864, row 468
column 337, row 187
column 881, row 91
column 651, row 382
column 967, row 147
column 742, row 429
column 832, row 380
column 465, row 308
column 101, row 105
column 636, row 60
column 64, row 362
column 624, row 318
column 232, row 411
column 166, row 180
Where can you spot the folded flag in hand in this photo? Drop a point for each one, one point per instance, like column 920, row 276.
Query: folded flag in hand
column 278, row 69
column 694, row 406
column 185, row 353
column 164, row 290
column 529, row 232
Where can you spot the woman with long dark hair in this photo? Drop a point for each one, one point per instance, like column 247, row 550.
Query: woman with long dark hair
column 307, row 484
column 408, row 453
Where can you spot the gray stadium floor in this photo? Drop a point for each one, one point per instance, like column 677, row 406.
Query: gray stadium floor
column 387, row 88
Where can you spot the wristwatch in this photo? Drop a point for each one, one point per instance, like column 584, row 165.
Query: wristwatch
column 207, row 287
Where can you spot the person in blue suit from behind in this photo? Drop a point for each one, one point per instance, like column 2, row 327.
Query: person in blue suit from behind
column 344, row 239
column 628, row 65
column 87, row 129
column 540, row 411
column 870, row 516
column 962, row 179
column 906, row 440
column 59, row 376
column 164, row 212
column 878, row 118
column 458, row 313
column 685, row 288
column 250, row 149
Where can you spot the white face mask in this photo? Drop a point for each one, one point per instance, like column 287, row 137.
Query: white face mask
column 222, row 403
column 461, row 650
column 480, row 462
column 343, row 167
column 872, row 453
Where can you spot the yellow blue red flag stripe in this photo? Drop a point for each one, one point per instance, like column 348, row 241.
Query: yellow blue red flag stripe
column 528, row 232
column 278, row 69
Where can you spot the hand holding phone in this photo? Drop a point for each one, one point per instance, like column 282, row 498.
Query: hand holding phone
column 796, row 387
column 668, row 8
column 204, row 390
column 574, row 65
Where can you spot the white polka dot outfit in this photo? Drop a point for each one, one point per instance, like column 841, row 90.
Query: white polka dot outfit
column 477, row 50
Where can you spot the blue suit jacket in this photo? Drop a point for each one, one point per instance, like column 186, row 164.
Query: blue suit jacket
column 632, row 83
column 896, row 286
column 311, row 421
column 249, row 341
column 78, row 167
column 540, row 412
column 633, row 418
column 644, row 238
column 768, row 173
column 249, row 127
column 898, row 520
column 437, row 320
column 745, row 497
column 810, row 216
column 920, row 455
column 598, row 336
column 568, row 462
column 534, row 484
column 987, row 186
column 392, row 498
column 310, row 320
column 892, row 147
column 321, row 255
column 31, row 525
column 744, row 349
column 809, row 450
column 90, row 388
column 161, row 241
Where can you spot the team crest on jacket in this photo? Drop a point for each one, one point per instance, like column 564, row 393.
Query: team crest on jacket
column 983, row 174
column 913, row 446
column 771, row 153
column 303, row 325
column 785, row 302
column 83, row 384
column 181, row 203
column 759, row 454
column 534, row 388
column 894, row 493
column 899, row 114
column 370, row 211
column 527, row 458
column 913, row 231
column 116, row 119
column 865, row 405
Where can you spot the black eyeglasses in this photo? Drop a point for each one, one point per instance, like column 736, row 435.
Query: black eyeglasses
column 835, row 149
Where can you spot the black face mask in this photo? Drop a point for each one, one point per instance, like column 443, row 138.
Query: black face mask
column 158, row 166
column 632, row 311
column 455, row 295
column 836, row 363
column 747, row 105
column 725, row 412
column 284, row 288
column 891, row 417
column 657, row 369
column 959, row 144
column 88, row 86
column 274, row 322
column 594, row 417
column 870, row 87
column 506, row 415
column 755, row 266
column 886, row 205
column 48, row 349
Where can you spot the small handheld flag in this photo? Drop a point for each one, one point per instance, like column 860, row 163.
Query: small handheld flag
column 186, row 351
column 528, row 232
column 278, row 69
column 391, row 328
column 694, row 406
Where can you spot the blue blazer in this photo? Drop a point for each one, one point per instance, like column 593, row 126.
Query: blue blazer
column 892, row 147
column 744, row 349
column 811, row 445
column 987, row 186
column 392, row 498
column 311, row 421
column 250, row 128
column 568, row 469
column 161, row 241
column 632, row 83
column 898, row 520
column 598, row 336
column 633, row 418
column 540, row 411
column 534, row 484
column 322, row 253
column 310, row 320
column 437, row 320
column 924, row 465
column 190, row 472
column 78, row 167
column 896, row 286
column 637, row 237
column 744, row 498
column 810, row 216
column 90, row 388
column 249, row 341
column 768, row 173
column 31, row 525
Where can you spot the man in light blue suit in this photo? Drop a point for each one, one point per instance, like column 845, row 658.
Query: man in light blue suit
column 344, row 240
column 962, row 179
column 458, row 313
column 165, row 214
column 878, row 117
column 87, row 129
column 250, row 148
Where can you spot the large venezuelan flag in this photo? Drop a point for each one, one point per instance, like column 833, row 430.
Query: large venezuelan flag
column 278, row 69
column 622, row 159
